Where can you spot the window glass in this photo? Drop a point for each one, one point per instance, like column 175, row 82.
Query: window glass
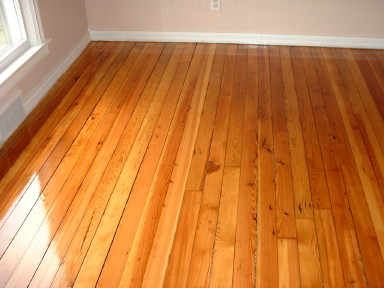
column 12, row 27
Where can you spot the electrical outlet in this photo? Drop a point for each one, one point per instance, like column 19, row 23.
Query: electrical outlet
column 215, row 5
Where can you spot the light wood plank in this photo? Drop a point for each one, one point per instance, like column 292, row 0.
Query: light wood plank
column 161, row 249
column 346, row 234
column 97, row 169
column 80, row 244
column 289, row 268
column 177, row 270
column 333, row 274
column 199, row 268
column 285, row 207
column 355, row 80
column 267, row 259
column 363, row 162
column 52, row 138
column 25, row 133
column 224, row 250
column 105, row 232
column 195, row 165
column 204, row 137
column 341, row 142
column 319, row 189
column 141, row 242
column 236, row 118
column 46, row 207
column 301, row 185
column 372, row 74
column 245, row 250
column 69, row 191
column 307, row 243
column 117, row 256
column 368, row 241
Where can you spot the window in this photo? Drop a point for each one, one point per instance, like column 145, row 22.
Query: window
column 12, row 37
column 19, row 31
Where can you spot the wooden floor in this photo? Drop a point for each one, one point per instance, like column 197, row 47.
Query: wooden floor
column 200, row 165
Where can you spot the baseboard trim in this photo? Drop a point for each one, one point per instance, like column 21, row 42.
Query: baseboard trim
column 39, row 92
column 239, row 38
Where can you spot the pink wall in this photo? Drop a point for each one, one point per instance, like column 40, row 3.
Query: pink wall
column 65, row 24
column 354, row 18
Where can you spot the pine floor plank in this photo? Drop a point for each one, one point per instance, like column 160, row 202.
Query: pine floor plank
column 318, row 182
column 267, row 259
column 200, row 154
column 15, row 145
column 371, row 74
column 236, row 121
column 199, row 165
column 137, row 260
column 199, row 269
column 369, row 245
column 177, row 271
column 43, row 145
column 289, row 267
column 44, row 207
column 350, row 68
column 179, row 259
column 30, row 196
column 345, row 230
column 61, row 206
column 363, row 163
column 368, row 118
column 104, row 188
column 338, row 130
column 224, row 251
column 285, row 207
column 99, row 165
column 300, row 177
column 245, row 249
column 161, row 249
column 309, row 258
column 333, row 274
column 115, row 263
column 105, row 232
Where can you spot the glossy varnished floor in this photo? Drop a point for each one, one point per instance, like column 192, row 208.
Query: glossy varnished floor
column 184, row 165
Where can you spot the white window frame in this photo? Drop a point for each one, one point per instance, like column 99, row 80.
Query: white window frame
column 19, row 56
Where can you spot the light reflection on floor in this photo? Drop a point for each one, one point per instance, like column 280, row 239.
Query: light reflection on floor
column 31, row 204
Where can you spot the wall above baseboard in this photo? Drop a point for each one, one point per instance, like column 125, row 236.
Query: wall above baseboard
column 239, row 38
column 35, row 96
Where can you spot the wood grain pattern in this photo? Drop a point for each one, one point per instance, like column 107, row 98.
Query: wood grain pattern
column 300, row 177
column 285, row 207
column 245, row 250
column 199, row 270
column 267, row 258
column 163, row 241
column 199, row 165
column 333, row 274
column 224, row 251
column 289, row 267
column 177, row 270
column 309, row 257
column 115, row 263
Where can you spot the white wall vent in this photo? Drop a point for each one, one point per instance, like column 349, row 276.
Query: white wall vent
column 11, row 115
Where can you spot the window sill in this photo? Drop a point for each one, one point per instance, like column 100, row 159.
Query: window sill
column 21, row 66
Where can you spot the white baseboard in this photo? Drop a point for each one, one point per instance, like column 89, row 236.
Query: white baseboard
column 35, row 96
column 239, row 38
column 29, row 101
